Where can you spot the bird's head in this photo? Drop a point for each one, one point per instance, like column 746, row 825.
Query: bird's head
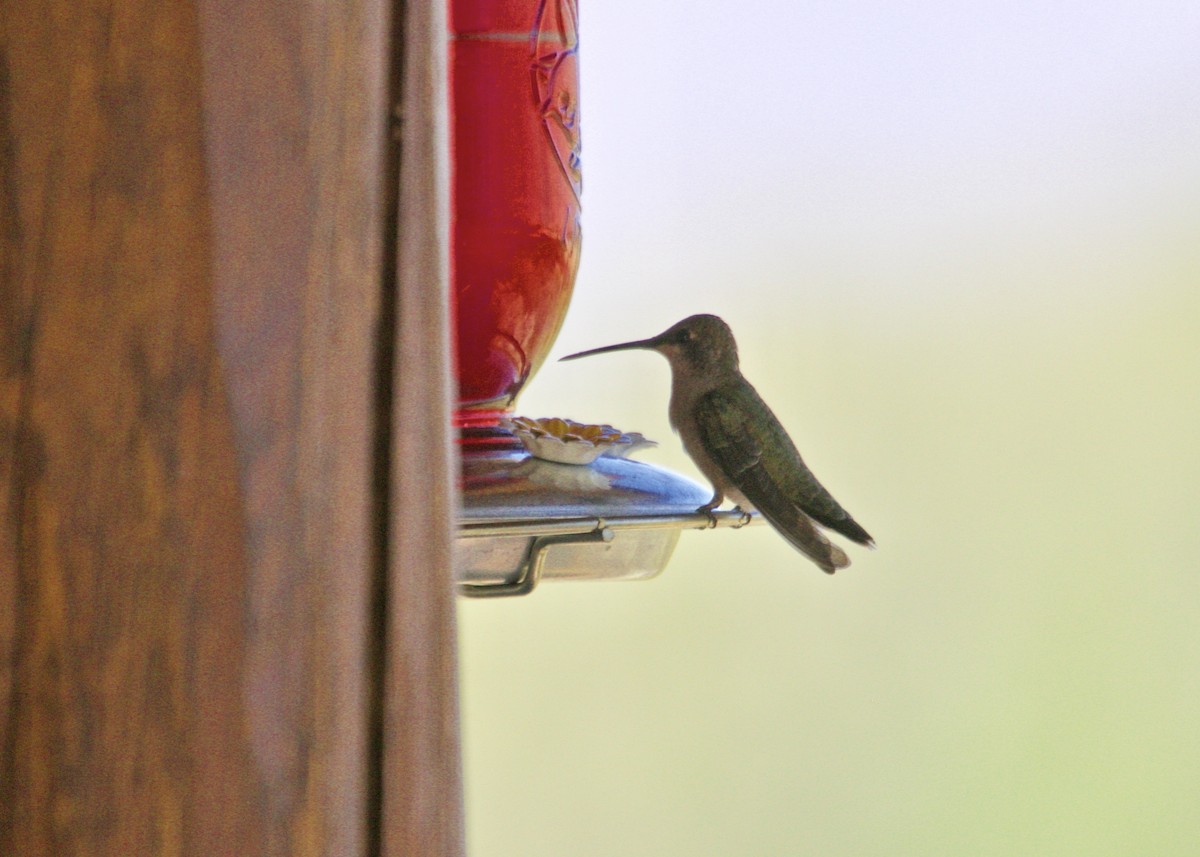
column 699, row 343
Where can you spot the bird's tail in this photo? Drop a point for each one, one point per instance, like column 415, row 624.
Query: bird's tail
column 803, row 535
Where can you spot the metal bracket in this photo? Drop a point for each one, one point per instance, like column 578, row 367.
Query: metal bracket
column 530, row 571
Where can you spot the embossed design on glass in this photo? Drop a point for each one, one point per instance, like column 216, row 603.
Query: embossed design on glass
column 556, row 83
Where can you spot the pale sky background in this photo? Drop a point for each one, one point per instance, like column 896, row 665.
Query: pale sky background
column 960, row 247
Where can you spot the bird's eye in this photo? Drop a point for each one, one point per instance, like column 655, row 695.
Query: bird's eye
column 686, row 335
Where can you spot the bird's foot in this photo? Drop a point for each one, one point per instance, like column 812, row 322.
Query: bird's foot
column 707, row 509
column 745, row 519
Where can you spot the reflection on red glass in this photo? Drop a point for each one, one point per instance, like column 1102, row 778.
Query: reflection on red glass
column 515, row 192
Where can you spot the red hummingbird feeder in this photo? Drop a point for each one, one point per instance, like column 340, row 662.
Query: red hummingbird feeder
column 515, row 239
column 514, row 195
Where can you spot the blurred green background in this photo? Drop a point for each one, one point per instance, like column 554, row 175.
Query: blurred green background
column 960, row 247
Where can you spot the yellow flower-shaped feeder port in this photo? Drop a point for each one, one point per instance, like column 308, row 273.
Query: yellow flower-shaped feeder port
column 569, row 442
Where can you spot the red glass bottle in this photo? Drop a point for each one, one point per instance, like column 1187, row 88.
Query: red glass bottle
column 514, row 194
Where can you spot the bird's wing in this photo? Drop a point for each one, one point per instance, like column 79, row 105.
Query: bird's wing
column 735, row 427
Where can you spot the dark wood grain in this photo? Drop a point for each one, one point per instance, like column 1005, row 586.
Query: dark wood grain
column 124, row 557
column 191, row 237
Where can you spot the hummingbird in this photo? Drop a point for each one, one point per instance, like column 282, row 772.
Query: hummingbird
column 739, row 444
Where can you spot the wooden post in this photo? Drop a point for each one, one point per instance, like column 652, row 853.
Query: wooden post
column 422, row 804
column 197, row 613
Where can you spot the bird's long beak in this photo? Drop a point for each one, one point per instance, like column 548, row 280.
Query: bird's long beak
column 624, row 346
